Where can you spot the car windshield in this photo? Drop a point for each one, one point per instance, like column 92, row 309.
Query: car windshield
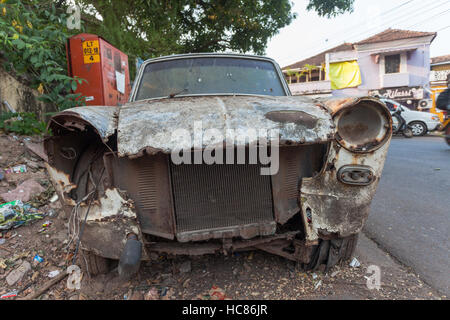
column 209, row 75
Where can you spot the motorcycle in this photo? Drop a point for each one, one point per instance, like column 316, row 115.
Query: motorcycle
column 401, row 127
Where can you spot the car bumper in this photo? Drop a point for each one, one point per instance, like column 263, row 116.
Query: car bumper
column 433, row 125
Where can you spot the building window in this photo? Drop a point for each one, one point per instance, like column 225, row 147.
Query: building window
column 392, row 64
column 315, row 75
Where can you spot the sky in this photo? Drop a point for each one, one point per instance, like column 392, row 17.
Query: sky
column 310, row 34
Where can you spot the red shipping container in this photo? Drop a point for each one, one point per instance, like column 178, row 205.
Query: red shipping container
column 104, row 67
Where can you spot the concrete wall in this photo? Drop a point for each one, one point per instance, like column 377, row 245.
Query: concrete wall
column 21, row 97
column 418, row 66
column 350, row 55
column 370, row 71
column 312, row 87
column 414, row 69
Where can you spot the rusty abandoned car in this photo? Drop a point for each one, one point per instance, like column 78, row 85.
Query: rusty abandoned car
column 113, row 172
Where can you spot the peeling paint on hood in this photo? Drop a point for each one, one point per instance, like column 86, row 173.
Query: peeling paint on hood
column 150, row 124
column 61, row 181
column 102, row 118
column 111, row 204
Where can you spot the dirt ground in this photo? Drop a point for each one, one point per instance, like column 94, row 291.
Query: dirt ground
column 245, row 275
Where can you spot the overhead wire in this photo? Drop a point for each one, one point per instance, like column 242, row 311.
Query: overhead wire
column 354, row 26
column 399, row 19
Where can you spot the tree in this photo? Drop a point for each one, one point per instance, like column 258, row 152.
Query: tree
column 33, row 36
column 149, row 28
column 330, row 8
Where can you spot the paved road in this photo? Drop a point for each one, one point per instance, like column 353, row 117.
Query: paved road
column 410, row 214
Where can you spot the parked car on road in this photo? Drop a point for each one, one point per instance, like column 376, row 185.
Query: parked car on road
column 117, row 169
column 419, row 122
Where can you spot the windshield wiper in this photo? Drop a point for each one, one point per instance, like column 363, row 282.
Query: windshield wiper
column 177, row 93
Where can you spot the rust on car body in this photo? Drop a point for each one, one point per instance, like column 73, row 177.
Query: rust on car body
column 298, row 117
column 145, row 124
column 147, row 182
column 335, row 207
column 121, row 158
column 334, row 105
column 102, row 119
column 354, row 132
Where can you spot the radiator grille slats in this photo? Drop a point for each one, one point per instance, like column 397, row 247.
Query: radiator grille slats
column 291, row 182
column 217, row 196
column 146, row 186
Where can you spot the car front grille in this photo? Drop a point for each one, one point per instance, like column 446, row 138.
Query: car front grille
column 220, row 196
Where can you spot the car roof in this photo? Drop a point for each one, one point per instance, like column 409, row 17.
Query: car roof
column 211, row 54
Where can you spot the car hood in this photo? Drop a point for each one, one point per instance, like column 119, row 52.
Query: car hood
column 153, row 125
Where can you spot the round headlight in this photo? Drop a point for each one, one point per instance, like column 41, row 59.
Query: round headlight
column 363, row 127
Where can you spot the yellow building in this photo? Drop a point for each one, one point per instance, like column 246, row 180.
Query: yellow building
column 440, row 70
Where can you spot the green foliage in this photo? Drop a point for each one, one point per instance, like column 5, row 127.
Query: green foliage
column 33, row 35
column 23, row 123
column 146, row 29
column 330, row 8
column 151, row 28
column 307, row 68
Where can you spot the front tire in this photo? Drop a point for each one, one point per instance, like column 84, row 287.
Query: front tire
column 89, row 171
column 418, row 128
column 331, row 252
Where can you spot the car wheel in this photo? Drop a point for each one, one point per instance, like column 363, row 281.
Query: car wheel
column 330, row 252
column 88, row 171
column 94, row 264
column 418, row 128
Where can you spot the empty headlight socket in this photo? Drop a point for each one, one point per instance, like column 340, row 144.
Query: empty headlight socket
column 356, row 175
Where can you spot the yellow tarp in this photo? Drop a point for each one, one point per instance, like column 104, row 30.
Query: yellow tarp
column 344, row 75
